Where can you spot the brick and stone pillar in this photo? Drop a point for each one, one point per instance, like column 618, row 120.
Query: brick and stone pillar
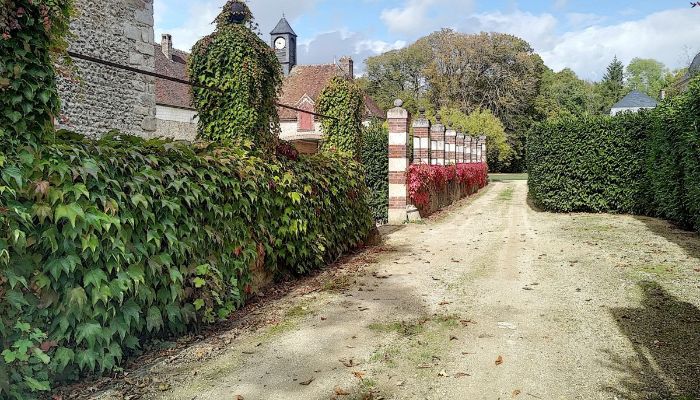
column 437, row 137
column 460, row 148
column 482, row 149
column 468, row 158
column 421, row 139
column 398, row 119
column 450, row 146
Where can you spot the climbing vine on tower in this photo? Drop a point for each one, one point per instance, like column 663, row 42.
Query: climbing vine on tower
column 344, row 100
column 245, row 78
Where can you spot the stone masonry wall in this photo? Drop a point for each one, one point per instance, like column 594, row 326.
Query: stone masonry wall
column 97, row 98
column 176, row 123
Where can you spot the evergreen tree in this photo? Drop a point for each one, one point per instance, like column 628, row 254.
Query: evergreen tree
column 613, row 85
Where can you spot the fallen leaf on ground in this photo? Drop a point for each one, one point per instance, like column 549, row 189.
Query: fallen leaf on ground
column 444, row 303
column 453, row 338
column 466, row 322
column 425, row 366
column 399, row 383
column 307, row 383
column 499, row 360
column 442, row 373
column 359, row 375
column 516, row 392
column 341, row 392
column 238, row 397
column 461, row 374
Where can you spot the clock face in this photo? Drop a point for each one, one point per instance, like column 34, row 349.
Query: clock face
column 280, row 43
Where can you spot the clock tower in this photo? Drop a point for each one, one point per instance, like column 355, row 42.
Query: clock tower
column 284, row 41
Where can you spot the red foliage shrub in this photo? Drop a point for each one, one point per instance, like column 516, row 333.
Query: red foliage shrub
column 426, row 179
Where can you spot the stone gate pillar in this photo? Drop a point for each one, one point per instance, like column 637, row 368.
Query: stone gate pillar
column 437, row 140
column 482, row 149
column 460, row 148
column 468, row 157
column 450, row 146
column 421, row 139
column 398, row 119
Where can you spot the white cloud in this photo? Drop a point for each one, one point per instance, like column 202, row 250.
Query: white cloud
column 663, row 36
column 420, row 17
column 201, row 14
column 326, row 47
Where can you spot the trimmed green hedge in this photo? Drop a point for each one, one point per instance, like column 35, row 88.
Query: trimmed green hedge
column 375, row 158
column 645, row 163
column 105, row 244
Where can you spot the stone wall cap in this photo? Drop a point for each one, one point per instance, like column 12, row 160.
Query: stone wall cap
column 397, row 113
column 421, row 123
column 451, row 132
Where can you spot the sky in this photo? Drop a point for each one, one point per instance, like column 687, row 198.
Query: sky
column 583, row 35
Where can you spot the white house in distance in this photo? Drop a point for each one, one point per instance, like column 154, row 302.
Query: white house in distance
column 633, row 102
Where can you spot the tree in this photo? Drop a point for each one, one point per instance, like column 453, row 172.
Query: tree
column 647, row 76
column 612, row 87
column 492, row 71
column 398, row 74
column 482, row 122
column 564, row 94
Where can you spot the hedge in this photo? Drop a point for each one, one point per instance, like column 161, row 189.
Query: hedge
column 375, row 158
column 425, row 181
column 645, row 163
column 105, row 244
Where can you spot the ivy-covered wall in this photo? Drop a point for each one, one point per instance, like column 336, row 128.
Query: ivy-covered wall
column 107, row 244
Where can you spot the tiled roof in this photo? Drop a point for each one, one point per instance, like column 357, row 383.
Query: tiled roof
column 304, row 80
column 636, row 99
column 310, row 80
column 170, row 93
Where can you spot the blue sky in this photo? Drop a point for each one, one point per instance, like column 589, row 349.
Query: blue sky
column 582, row 35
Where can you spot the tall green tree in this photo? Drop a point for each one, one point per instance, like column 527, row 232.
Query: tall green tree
column 482, row 122
column 612, row 87
column 564, row 94
column 647, row 76
column 398, row 74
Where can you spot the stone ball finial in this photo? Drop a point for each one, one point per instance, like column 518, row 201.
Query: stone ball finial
column 398, row 103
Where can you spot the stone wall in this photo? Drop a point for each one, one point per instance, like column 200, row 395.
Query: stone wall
column 97, row 98
column 176, row 123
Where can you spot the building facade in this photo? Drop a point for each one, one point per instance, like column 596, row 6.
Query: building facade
column 96, row 98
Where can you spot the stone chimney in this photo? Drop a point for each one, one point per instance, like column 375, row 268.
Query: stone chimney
column 347, row 65
column 167, row 45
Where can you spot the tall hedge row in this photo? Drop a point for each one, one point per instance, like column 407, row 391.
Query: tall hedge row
column 106, row 244
column 646, row 163
column 375, row 158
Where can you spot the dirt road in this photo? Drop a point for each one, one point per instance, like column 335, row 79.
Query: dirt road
column 491, row 300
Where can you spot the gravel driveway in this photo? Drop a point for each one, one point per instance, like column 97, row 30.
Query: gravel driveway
column 492, row 299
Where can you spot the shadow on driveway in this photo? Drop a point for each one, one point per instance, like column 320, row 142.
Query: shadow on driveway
column 665, row 334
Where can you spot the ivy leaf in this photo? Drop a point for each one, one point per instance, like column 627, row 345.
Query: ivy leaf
column 71, row 212
column 13, row 173
column 154, row 320
column 63, row 356
column 37, row 386
column 41, row 355
column 94, row 277
column 77, row 298
column 86, row 358
column 88, row 332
